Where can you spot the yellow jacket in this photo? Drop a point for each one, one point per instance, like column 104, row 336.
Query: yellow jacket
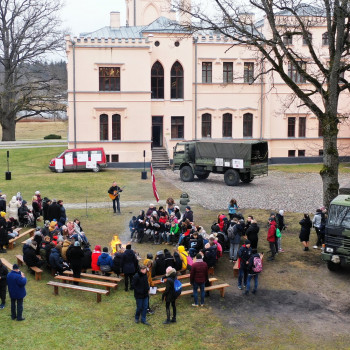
column 183, row 255
column 149, row 263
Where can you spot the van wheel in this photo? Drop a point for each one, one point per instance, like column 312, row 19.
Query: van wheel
column 231, row 177
column 203, row 176
column 186, row 174
column 97, row 169
column 59, row 170
column 332, row 266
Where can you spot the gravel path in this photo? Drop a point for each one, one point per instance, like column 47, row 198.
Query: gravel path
column 294, row 192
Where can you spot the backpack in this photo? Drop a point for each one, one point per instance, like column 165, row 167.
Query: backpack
column 177, row 287
column 105, row 268
column 189, row 260
column 230, row 232
column 257, row 265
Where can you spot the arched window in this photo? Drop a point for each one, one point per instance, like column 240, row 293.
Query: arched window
column 115, row 127
column 157, row 81
column 247, row 125
column 325, row 40
column 103, row 127
column 227, row 125
column 206, row 125
column 177, row 81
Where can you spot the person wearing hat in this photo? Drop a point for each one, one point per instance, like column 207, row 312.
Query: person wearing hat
column 169, row 294
column 141, row 289
column 14, row 204
column 45, row 205
column 40, row 201
column 3, row 284
column 54, row 211
column 244, row 254
column 2, row 202
column 16, row 282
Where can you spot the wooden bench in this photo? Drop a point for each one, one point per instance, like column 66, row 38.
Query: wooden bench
column 97, row 277
column 107, row 285
column 188, row 284
column 7, row 264
column 37, row 270
column 180, row 277
column 98, row 292
column 235, row 269
column 220, row 287
column 13, row 240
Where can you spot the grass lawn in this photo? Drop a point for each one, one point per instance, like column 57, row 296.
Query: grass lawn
column 307, row 168
column 30, row 130
column 74, row 319
column 30, row 173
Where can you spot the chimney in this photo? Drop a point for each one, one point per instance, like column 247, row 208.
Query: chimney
column 115, row 20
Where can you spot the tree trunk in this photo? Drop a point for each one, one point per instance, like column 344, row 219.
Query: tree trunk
column 329, row 172
column 8, row 129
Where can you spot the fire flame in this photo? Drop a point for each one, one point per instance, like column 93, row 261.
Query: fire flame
column 116, row 244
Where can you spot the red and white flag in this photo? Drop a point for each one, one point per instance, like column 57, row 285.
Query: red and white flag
column 155, row 193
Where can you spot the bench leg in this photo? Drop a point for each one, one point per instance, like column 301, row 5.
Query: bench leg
column 55, row 290
column 19, row 262
column 98, row 297
column 222, row 292
column 108, row 290
column 11, row 245
column 37, row 276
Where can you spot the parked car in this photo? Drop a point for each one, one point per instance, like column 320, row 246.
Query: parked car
column 79, row 159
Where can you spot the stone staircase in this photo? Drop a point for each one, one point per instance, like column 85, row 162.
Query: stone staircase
column 160, row 158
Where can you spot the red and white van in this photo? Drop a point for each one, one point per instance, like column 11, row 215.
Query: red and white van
column 79, row 159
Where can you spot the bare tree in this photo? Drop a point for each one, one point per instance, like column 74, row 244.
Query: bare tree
column 320, row 80
column 30, row 30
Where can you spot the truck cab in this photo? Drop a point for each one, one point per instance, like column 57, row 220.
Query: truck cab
column 336, row 250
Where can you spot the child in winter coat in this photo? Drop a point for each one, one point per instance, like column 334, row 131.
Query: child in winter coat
column 94, row 258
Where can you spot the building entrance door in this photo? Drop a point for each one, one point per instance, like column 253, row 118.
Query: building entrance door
column 157, row 131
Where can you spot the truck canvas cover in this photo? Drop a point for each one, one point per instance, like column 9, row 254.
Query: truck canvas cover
column 227, row 150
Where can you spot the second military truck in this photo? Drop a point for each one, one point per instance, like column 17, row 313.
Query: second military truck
column 237, row 161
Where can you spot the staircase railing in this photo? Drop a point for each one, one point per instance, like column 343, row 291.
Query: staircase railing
column 166, row 148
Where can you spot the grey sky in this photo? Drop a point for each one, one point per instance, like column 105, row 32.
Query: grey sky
column 88, row 15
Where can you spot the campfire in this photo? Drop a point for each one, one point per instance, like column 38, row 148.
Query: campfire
column 116, row 244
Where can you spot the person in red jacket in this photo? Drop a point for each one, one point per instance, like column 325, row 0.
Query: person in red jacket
column 271, row 237
column 198, row 277
column 94, row 257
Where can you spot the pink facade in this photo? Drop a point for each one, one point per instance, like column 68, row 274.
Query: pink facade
column 137, row 83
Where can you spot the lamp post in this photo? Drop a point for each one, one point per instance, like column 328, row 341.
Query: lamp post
column 144, row 172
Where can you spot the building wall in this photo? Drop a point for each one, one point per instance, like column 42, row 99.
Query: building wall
column 268, row 99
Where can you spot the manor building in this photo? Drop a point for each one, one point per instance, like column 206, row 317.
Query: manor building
column 148, row 85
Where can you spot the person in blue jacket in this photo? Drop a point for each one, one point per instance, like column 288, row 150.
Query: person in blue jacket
column 105, row 260
column 16, row 282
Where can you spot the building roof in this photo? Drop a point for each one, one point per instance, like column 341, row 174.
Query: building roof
column 160, row 25
column 303, row 10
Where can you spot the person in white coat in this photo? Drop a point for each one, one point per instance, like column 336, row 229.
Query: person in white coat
column 13, row 208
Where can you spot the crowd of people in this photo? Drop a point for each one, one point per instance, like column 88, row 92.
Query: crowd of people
column 62, row 245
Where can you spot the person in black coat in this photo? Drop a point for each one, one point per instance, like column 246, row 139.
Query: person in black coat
column 158, row 268
column 188, row 214
column 168, row 259
column 3, row 284
column 129, row 265
column 169, row 295
column 117, row 262
column 56, row 261
column 210, row 253
column 2, row 204
column 29, row 256
column 75, row 258
column 87, row 258
column 141, row 288
column 252, row 235
column 3, row 235
column 304, row 235
column 54, row 211
column 46, row 203
column 63, row 216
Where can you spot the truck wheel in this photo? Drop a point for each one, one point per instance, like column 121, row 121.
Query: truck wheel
column 332, row 266
column 231, row 177
column 186, row 174
column 97, row 169
column 203, row 176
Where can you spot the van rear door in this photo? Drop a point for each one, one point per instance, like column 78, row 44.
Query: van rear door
column 69, row 161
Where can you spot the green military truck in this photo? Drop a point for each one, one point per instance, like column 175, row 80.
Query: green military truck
column 238, row 161
column 336, row 250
